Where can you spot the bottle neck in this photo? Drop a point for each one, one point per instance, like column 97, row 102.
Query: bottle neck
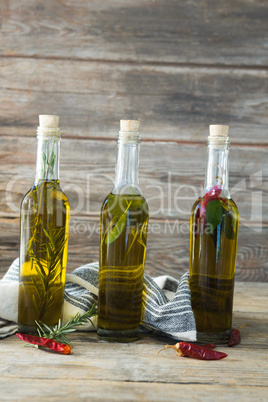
column 218, row 167
column 127, row 167
column 47, row 160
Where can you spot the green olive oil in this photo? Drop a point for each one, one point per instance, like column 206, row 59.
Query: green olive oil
column 45, row 215
column 123, row 234
column 212, row 271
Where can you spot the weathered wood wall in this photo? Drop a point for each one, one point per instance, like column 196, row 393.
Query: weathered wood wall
column 176, row 65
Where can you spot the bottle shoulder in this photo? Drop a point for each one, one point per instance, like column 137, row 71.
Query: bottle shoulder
column 228, row 205
column 196, row 204
column 126, row 189
column 44, row 189
column 118, row 204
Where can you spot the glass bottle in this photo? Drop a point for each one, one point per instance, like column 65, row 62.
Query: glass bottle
column 44, row 233
column 213, row 245
column 123, row 234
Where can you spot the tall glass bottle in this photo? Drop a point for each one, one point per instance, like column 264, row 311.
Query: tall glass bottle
column 213, row 245
column 123, row 234
column 44, row 232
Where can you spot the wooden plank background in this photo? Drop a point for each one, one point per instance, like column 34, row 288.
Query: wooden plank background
column 176, row 65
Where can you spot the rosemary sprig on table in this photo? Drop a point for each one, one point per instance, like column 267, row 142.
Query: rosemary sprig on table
column 58, row 333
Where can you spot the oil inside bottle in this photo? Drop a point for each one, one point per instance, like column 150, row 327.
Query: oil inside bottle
column 213, row 245
column 123, row 235
column 45, row 215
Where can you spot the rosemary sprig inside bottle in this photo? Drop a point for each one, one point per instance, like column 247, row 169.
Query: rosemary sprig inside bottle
column 48, row 162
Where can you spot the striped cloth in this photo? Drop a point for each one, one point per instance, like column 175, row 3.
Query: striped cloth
column 167, row 302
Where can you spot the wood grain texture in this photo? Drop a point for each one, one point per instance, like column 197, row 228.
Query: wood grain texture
column 171, row 102
column 111, row 371
column 171, row 187
column 177, row 66
column 165, row 31
column 167, row 248
column 171, row 176
column 87, row 389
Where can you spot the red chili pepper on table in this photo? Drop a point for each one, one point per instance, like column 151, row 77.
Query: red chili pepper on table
column 47, row 343
column 235, row 337
column 195, row 351
column 210, row 345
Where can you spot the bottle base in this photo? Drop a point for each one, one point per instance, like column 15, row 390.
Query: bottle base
column 31, row 329
column 27, row 329
column 217, row 338
column 123, row 336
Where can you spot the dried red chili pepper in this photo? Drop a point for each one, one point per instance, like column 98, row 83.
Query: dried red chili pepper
column 211, row 195
column 47, row 343
column 235, row 337
column 195, row 351
column 210, row 346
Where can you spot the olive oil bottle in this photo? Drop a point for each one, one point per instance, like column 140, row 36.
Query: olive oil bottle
column 123, row 234
column 213, row 245
column 44, row 232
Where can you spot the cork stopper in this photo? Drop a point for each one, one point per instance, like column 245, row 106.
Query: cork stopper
column 217, row 130
column 48, row 126
column 129, row 132
column 218, row 136
column 48, row 121
column 129, row 125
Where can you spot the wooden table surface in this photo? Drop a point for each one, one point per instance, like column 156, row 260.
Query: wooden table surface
column 129, row 372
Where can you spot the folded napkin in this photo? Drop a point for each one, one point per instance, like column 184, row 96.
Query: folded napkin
column 167, row 302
